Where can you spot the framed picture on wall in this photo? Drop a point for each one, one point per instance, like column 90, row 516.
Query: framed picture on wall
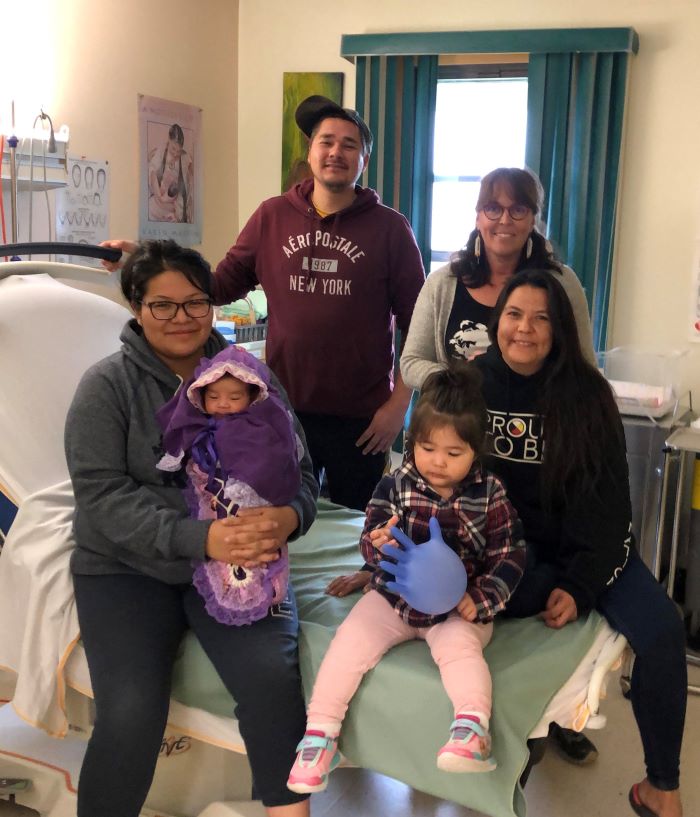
column 296, row 86
column 170, row 162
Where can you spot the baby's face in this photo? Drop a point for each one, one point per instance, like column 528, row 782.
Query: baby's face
column 228, row 395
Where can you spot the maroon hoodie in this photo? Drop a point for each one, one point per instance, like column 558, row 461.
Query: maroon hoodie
column 333, row 286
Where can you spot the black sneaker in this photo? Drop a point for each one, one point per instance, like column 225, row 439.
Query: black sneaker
column 572, row 746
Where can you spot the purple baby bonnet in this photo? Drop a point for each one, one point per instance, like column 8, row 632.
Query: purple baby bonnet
column 235, row 361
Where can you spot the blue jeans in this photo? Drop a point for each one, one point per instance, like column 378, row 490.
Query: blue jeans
column 637, row 606
column 131, row 627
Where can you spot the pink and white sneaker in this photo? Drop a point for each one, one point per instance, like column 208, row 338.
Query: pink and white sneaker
column 317, row 756
column 468, row 749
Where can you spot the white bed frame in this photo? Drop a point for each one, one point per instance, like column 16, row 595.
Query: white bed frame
column 202, row 771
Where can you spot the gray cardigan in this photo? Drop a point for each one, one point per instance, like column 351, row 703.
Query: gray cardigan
column 131, row 517
column 424, row 350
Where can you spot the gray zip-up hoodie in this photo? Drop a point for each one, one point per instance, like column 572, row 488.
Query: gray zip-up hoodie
column 131, row 517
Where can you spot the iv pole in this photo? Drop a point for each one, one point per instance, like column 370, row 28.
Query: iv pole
column 12, row 142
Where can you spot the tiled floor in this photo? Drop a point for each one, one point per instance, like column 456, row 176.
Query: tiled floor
column 555, row 788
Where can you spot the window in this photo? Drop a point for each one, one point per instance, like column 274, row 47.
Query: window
column 480, row 124
column 577, row 81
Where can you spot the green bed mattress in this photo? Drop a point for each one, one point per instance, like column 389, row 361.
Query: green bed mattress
column 400, row 716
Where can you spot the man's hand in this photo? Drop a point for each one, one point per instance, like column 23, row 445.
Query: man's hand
column 124, row 245
column 384, row 428
column 560, row 609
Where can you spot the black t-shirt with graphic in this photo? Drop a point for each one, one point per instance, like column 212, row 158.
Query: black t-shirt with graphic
column 586, row 536
column 466, row 334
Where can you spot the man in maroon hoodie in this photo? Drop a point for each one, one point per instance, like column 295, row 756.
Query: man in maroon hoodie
column 338, row 269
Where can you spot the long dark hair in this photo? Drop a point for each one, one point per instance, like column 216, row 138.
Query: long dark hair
column 580, row 418
column 524, row 188
column 453, row 397
column 176, row 134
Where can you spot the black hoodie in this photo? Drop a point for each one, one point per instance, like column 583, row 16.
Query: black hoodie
column 588, row 536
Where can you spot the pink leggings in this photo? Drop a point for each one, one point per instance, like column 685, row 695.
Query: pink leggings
column 373, row 628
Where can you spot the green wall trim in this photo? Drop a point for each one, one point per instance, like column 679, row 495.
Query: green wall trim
column 531, row 41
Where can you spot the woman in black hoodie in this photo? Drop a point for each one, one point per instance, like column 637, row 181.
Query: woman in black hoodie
column 558, row 445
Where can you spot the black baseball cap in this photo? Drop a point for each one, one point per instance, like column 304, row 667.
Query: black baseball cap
column 313, row 109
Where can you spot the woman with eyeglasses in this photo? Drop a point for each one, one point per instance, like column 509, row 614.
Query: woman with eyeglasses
column 135, row 547
column 454, row 307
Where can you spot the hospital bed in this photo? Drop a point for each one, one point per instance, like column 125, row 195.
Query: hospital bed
column 51, row 330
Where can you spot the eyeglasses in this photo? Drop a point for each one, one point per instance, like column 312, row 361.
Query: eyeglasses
column 167, row 310
column 493, row 211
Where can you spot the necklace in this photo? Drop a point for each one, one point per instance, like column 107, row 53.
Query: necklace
column 338, row 207
column 321, row 213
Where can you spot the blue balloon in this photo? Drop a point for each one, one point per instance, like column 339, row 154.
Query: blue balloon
column 430, row 577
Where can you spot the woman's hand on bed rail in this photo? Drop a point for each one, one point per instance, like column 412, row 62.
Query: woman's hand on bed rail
column 122, row 244
column 252, row 537
column 345, row 585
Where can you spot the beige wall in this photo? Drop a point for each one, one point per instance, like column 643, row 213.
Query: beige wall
column 659, row 219
column 86, row 62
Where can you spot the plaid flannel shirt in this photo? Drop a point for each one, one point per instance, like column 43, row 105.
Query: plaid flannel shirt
column 478, row 522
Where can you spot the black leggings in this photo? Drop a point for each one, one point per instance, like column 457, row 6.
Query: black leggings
column 131, row 628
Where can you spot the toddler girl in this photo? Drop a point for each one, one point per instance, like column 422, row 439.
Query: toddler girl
column 441, row 476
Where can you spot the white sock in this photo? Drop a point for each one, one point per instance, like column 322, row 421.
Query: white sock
column 331, row 729
column 474, row 713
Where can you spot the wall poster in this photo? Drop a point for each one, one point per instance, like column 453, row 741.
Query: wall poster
column 170, row 170
column 82, row 207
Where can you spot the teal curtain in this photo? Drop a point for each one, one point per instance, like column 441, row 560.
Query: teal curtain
column 576, row 96
column 574, row 134
column 396, row 97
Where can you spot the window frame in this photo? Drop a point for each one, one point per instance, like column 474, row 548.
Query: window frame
column 472, row 68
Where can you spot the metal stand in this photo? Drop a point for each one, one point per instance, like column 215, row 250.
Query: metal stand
column 12, row 142
column 680, row 451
